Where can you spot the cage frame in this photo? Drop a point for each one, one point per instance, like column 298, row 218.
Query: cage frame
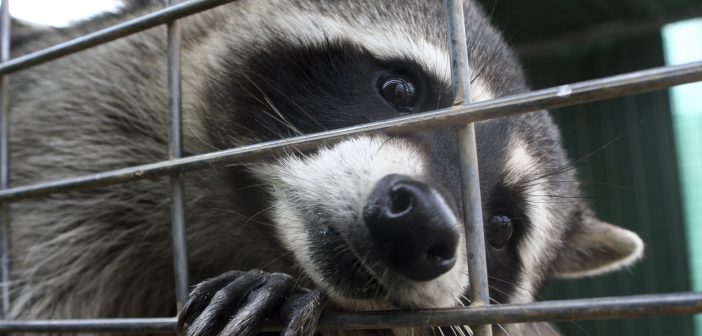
column 480, row 315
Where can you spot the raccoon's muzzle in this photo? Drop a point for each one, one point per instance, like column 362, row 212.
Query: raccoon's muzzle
column 412, row 227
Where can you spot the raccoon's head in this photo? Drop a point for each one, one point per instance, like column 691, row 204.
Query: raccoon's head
column 376, row 220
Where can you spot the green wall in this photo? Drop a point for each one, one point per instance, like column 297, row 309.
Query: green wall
column 632, row 182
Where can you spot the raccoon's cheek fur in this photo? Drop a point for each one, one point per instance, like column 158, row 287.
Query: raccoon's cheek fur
column 363, row 225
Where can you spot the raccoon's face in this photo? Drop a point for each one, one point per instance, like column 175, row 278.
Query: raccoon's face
column 375, row 219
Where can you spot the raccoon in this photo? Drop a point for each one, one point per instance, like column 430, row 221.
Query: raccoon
column 371, row 222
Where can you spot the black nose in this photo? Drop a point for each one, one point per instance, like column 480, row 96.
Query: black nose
column 413, row 227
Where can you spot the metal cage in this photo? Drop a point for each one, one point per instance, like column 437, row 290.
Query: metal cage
column 479, row 315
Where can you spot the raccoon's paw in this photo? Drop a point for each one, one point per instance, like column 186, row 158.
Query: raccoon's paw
column 238, row 303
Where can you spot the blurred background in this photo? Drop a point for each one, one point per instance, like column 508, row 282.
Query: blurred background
column 643, row 168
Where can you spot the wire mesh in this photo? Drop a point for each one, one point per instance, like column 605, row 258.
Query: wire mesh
column 564, row 95
column 479, row 314
column 561, row 310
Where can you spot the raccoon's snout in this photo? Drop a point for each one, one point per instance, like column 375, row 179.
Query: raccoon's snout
column 413, row 226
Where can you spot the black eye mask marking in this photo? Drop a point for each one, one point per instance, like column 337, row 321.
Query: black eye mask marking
column 303, row 88
column 505, row 225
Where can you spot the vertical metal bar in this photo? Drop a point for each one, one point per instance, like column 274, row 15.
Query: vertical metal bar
column 470, row 181
column 175, row 141
column 5, row 157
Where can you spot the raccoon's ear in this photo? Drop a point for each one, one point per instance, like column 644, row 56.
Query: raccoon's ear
column 596, row 247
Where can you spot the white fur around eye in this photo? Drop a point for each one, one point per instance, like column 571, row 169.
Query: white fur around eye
column 522, row 166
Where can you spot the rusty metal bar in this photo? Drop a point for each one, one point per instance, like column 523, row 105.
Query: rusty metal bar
column 175, row 144
column 470, row 177
column 562, row 310
column 109, row 34
column 565, row 95
column 5, row 30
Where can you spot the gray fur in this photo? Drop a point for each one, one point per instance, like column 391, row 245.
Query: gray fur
column 107, row 252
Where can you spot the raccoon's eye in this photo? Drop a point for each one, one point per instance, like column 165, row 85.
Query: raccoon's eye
column 399, row 91
column 499, row 230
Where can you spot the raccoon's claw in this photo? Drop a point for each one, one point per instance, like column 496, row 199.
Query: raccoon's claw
column 201, row 296
column 235, row 303
column 238, row 303
column 301, row 311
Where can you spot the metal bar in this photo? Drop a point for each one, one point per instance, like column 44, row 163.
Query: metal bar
column 601, row 308
column 562, row 310
column 108, row 34
column 5, row 27
column 470, row 177
column 565, row 95
column 118, row 325
column 175, row 141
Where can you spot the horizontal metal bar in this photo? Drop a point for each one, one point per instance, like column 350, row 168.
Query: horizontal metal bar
column 565, row 95
column 108, row 34
column 127, row 325
column 562, row 310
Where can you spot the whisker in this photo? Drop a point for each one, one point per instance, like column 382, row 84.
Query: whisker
column 574, row 164
column 270, row 262
column 292, row 101
column 257, row 214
